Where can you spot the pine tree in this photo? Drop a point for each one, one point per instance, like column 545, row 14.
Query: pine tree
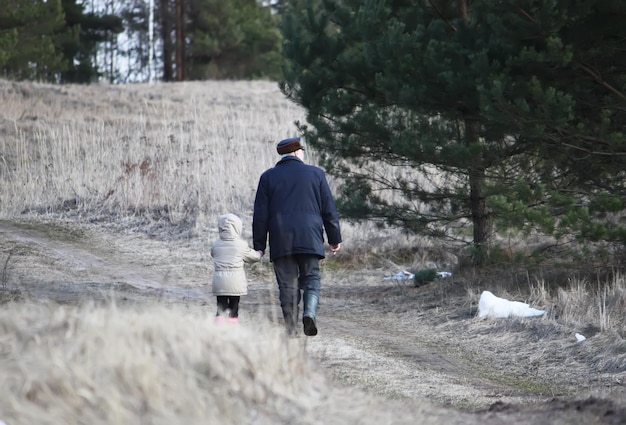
column 79, row 40
column 137, row 47
column 435, row 114
column 51, row 40
column 235, row 39
column 28, row 30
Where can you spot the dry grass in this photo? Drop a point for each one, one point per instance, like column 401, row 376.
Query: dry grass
column 185, row 151
column 125, row 366
column 100, row 364
column 597, row 307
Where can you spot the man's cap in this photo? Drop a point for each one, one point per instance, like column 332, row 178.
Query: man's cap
column 289, row 145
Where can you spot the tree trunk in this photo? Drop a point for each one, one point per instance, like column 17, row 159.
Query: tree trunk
column 463, row 10
column 166, row 33
column 478, row 204
column 180, row 40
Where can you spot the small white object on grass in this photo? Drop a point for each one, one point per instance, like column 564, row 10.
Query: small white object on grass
column 580, row 338
column 499, row 308
column 403, row 275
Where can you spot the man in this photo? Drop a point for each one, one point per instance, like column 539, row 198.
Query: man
column 294, row 205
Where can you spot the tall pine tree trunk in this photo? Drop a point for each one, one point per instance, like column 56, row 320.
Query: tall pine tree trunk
column 478, row 204
column 166, row 33
column 180, row 40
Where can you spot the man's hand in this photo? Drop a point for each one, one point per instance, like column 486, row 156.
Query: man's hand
column 335, row 247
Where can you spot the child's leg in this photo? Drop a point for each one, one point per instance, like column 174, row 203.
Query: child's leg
column 233, row 305
column 222, row 304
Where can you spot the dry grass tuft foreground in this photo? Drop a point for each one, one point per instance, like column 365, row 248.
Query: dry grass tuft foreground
column 100, row 364
column 112, row 365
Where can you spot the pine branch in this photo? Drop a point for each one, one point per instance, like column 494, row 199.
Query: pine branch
column 440, row 13
column 598, row 79
column 593, row 73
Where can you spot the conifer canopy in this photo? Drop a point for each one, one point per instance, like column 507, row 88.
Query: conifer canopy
column 463, row 119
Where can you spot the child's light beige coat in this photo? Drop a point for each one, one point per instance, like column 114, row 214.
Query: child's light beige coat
column 229, row 253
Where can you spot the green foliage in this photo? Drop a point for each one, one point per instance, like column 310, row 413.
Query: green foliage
column 511, row 117
column 424, row 276
column 28, row 33
column 8, row 38
column 51, row 40
column 79, row 42
column 234, row 39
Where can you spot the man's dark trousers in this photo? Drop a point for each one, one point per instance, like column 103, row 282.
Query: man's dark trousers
column 295, row 273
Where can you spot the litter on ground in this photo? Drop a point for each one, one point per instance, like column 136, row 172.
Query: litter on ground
column 499, row 308
column 403, row 275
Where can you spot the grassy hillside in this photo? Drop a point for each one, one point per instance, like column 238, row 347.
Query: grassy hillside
column 189, row 150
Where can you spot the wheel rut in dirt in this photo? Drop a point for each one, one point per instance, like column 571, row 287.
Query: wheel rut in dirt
column 66, row 264
column 369, row 353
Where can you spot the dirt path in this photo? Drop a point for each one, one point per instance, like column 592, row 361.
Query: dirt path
column 402, row 343
column 402, row 356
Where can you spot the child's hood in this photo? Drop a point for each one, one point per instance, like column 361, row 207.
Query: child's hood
column 229, row 226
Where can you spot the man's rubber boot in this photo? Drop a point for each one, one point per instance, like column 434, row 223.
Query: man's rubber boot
column 310, row 310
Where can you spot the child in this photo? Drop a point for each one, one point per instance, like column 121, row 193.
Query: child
column 229, row 253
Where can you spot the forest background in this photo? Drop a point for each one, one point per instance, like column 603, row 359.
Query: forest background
column 74, row 41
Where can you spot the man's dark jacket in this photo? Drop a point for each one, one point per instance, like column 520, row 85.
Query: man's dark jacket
column 294, row 205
